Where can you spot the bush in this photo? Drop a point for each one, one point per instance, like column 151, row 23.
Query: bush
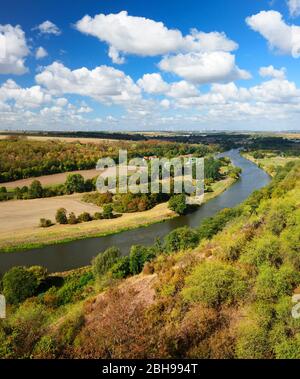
column 40, row 273
column 98, row 199
column 107, row 212
column 178, row 204
column 104, row 261
column 74, row 183
column 138, row 256
column 35, row 190
column 72, row 219
column 181, row 239
column 121, row 269
column 19, row 284
column 45, row 223
column 98, row 216
column 214, row 283
column 85, row 217
column 61, row 216
column 252, row 342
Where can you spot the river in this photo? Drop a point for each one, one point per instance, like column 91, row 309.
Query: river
column 63, row 257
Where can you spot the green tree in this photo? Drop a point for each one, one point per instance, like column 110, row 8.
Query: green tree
column 19, row 284
column 36, row 190
column 61, row 216
column 107, row 211
column 138, row 256
column 181, row 239
column 178, row 204
column 74, row 183
column 104, row 261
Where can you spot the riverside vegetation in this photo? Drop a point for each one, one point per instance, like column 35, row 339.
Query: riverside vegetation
column 223, row 290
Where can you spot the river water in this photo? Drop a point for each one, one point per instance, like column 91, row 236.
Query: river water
column 63, row 257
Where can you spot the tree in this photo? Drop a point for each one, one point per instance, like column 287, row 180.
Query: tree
column 181, row 239
column 72, row 219
column 121, row 269
column 36, row 190
column 85, row 217
column 45, row 223
column 74, row 183
column 108, row 211
column 178, row 204
column 138, row 256
column 39, row 272
column 19, row 284
column 104, row 261
column 61, row 216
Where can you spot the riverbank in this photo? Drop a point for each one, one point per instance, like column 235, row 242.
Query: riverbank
column 269, row 163
column 32, row 238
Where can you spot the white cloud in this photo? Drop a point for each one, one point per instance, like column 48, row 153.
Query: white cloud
column 32, row 97
column 13, row 50
column 145, row 37
column 294, row 7
column 153, row 83
column 203, row 68
column 165, row 103
column 281, row 36
column 270, row 71
column 207, row 42
column 105, row 84
column 48, row 27
column 182, row 89
column 40, row 53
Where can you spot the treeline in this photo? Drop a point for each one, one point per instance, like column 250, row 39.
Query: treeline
column 21, row 158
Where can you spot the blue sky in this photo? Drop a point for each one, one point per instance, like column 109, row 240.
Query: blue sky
column 146, row 65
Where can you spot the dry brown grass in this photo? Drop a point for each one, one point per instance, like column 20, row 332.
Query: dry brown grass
column 51, row 180
column 26, row 231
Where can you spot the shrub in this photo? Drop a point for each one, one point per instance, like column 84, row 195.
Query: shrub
column 214, row 283
column 98, row 199
column 98, row 216
column 45, row 223
column 104, row 261
column 39, row 272
column 138, row 256
column 74, row 183
column 178, row 204
column 108, row 211
column 72, row 219
column 19, row 284
column 181, row 239
column 85, row 217
column 61, row 216
column 121, row 269
column 35, row 190
column 252, row 342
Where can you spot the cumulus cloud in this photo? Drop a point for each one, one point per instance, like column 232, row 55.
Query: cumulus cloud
column 13, row 50
column 182, row 89
column 270, row 71
column 203, row 68
column 40, row 53
column 48, row 27
column 145, row 37
column 153, row 83
column 294, row 7
column 32, row 97
column 104, row 84
column 281, row 36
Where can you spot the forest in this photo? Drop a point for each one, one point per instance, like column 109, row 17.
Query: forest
column 22, row 158
column 222, row 290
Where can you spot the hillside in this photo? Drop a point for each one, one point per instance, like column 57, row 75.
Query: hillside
column 222, row 291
